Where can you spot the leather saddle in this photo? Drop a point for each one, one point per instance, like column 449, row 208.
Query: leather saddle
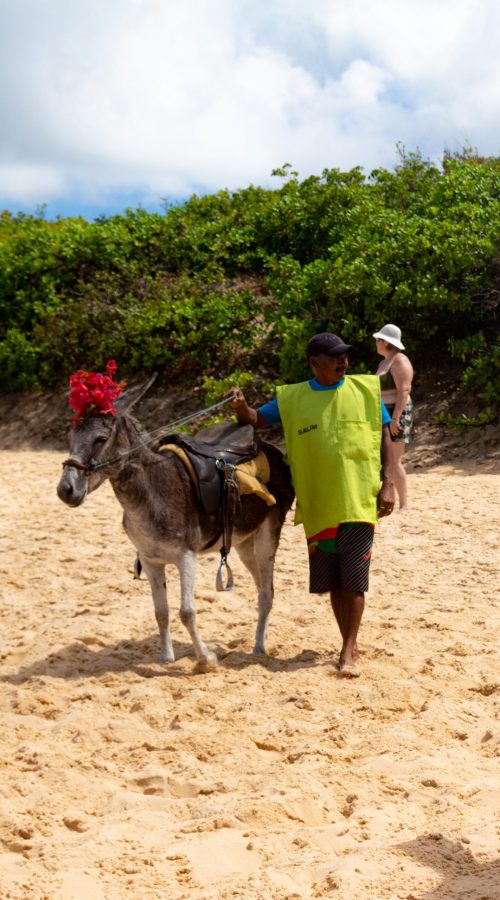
column 212, row 453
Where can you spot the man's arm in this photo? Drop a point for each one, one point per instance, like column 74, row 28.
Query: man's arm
column 245, row 414
column 385, row 499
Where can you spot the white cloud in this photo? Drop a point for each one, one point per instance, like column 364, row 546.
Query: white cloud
column 363, row 83
column 30, row 183
column 163, row 98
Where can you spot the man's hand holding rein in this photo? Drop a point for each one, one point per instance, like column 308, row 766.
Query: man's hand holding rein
column 244, row 413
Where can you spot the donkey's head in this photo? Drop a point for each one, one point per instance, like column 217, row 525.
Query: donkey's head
column 97, row 444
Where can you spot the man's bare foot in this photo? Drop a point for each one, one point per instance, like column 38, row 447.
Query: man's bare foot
column 346, row 664
column 348, row 670
column 349, row 657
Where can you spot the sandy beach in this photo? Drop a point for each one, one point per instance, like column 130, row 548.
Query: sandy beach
column 270, row 778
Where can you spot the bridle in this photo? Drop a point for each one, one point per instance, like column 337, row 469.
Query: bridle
column 71, row 462
column 94, row 465
column 91, row 466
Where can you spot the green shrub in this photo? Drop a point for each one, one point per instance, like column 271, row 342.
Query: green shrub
column 238, row 281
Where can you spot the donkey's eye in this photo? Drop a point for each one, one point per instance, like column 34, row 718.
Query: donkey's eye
column 99, row 441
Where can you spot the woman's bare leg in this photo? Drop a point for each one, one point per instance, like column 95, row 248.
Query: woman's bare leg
column 398, row 449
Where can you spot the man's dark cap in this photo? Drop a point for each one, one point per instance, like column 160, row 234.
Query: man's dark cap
column 327, row 343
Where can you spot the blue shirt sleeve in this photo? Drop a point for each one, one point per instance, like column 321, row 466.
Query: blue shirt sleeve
column 270, row 412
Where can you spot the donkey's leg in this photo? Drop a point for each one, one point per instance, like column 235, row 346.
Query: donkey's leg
column 187, row 570
column 156, row 578
column 257, row 552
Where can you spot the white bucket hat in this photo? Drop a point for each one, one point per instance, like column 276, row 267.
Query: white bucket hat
column 391, row 334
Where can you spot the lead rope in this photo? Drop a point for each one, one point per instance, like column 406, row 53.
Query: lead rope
column 94, row 466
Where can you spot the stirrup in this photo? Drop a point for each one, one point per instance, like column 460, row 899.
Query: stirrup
column 219, row 578
column 137, row 568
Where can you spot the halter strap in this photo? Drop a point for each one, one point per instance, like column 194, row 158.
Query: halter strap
column 76, row 464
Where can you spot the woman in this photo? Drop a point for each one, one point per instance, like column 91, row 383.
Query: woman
column 396, row 375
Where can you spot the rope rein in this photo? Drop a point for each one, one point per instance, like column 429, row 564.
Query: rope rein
column 94, row 466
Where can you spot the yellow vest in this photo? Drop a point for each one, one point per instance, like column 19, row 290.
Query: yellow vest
column 333, row 440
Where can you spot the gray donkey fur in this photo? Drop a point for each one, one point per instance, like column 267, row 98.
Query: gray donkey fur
column 163, row 517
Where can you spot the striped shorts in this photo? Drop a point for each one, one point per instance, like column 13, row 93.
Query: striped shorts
column 348, row 566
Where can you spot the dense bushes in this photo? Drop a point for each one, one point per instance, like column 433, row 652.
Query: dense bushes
column 240, row 280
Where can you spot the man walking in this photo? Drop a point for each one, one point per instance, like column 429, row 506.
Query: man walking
column 337, row 439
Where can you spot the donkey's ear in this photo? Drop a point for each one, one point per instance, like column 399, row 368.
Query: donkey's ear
column 132, row 396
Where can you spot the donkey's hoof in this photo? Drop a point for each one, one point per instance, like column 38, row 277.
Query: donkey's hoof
column 167, row 654
column 209, row 664
column 259, row 650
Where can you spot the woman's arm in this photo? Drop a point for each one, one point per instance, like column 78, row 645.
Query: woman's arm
column 402, row 373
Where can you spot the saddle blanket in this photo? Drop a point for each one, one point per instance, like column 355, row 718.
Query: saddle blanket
column 252, row 476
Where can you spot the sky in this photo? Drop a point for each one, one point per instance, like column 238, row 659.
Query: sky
column 109, row 104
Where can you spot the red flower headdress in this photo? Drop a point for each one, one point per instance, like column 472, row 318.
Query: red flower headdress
column 93, row 393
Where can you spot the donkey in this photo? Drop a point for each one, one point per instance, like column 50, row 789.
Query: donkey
column 164, row 518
